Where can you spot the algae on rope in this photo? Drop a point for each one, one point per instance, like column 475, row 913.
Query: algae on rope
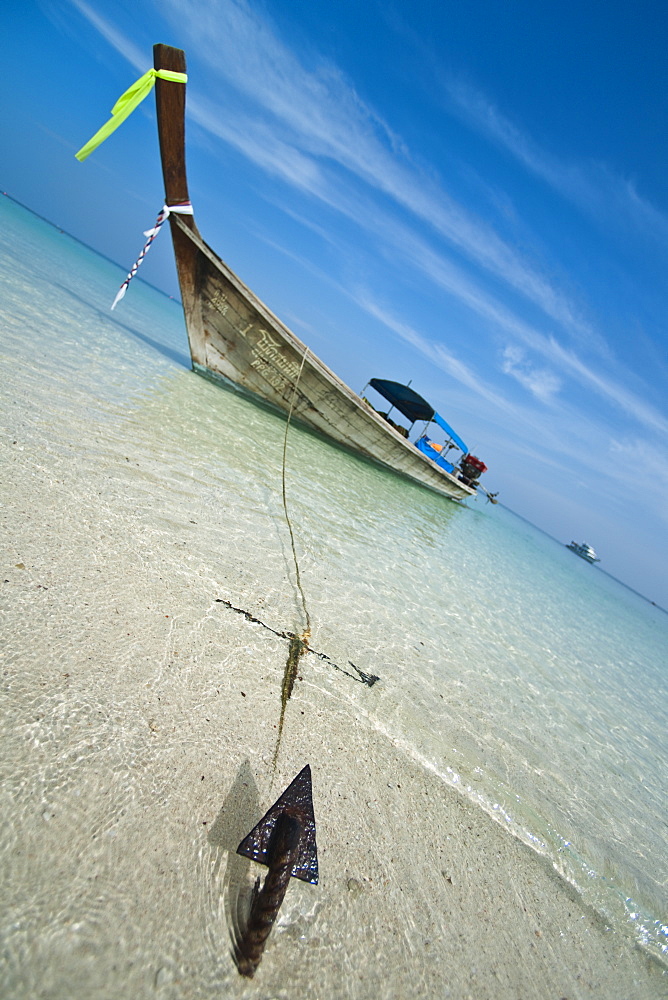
column 298, row 646
column 360, row 675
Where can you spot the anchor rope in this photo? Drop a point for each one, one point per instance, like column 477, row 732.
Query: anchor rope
column 298, row 643
column 307, row 631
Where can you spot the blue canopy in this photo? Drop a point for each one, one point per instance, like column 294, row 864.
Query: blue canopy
column 406, row 400
column 438, row 419
column 413, row 406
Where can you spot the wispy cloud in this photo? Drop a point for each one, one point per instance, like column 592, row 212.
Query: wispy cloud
column 540, row 382
column 595, row 188
column 314, row 113
column 436, row 352
column 255, row 140
column 609, row 388
column 629, row 453
column 134, row 55
column 566, row 361
column 401, row 241
column 307, row 125
column 577, row 449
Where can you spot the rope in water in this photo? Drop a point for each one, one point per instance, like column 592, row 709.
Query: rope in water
column 298, row 643
column 307, row 631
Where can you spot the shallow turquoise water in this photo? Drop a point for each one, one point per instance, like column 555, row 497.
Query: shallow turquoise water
column 508, row 666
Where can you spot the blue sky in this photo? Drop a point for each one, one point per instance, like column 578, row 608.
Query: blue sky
column 471, row 195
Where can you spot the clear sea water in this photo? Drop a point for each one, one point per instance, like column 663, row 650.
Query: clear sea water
column 509, row 667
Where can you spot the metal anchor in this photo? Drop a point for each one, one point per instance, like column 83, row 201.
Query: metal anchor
column 284, row 840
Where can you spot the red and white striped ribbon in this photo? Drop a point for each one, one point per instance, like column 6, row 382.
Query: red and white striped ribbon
column 166, row 210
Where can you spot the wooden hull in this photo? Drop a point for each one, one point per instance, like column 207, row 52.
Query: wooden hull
column 234, row 338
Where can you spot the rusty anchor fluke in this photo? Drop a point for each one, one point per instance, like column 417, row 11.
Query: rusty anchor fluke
column 284, row 840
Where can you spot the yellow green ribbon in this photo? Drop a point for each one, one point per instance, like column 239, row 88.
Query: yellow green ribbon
column 126, row 104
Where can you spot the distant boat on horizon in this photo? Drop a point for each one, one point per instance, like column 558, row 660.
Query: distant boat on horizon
column 583, row 550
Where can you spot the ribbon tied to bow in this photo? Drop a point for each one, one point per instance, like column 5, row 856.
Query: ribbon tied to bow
column 126, row 104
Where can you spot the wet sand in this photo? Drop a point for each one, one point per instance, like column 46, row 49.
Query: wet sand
column 139, row 727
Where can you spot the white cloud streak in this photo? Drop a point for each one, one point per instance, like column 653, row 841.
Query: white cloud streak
column 111, row 34
column 449, row 277
column 320, row 114
column 305, row 125
column 578, row 449
column 612, row 200
column 541, row 383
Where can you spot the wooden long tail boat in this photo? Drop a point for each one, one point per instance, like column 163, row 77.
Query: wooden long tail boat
column 237, row 341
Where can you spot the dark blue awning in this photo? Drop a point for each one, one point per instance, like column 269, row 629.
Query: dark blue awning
column 413, row 406
column 407, row 401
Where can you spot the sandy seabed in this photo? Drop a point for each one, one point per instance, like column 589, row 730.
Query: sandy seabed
column 139, row 724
